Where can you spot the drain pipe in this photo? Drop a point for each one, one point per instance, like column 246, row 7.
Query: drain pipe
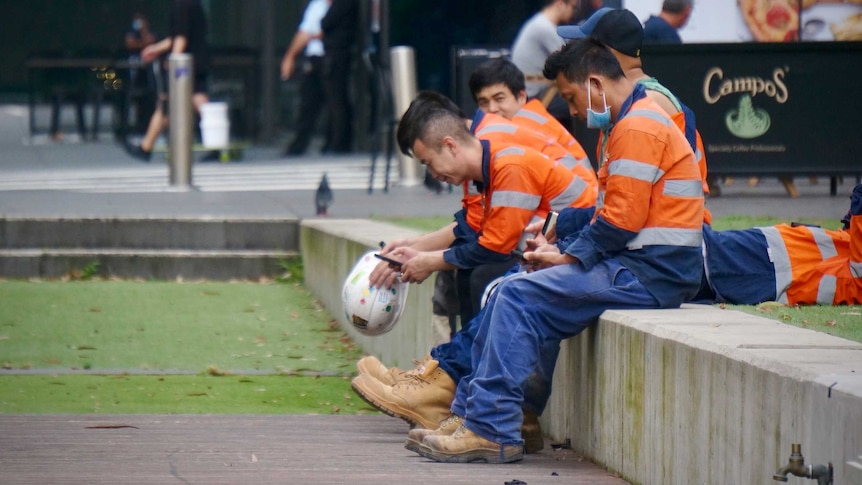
column 796, row 466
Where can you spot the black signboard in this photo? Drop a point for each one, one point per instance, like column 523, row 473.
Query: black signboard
column 770, row 108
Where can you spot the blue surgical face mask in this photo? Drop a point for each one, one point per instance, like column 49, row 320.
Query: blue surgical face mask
column 601, row 120
column 136, row 24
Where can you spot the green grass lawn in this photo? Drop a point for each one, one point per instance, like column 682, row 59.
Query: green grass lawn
column 201, row 347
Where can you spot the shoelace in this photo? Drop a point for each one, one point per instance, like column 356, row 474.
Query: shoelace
column 454, row 418
column 402, row 374
column 413, row 381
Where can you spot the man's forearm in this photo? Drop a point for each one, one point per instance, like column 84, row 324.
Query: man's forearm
column 300, row 40
column 435, row 241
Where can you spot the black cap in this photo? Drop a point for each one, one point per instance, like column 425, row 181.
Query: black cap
column 616, row 28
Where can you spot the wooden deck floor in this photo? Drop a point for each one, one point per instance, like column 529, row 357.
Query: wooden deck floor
column 229, row 449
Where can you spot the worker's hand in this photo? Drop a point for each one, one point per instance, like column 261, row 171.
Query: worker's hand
column 417, row 266
column 546, row 256
column 384, row 275
column 393, row 245
column 534, row 228
column 536, row 242
column 288, row 65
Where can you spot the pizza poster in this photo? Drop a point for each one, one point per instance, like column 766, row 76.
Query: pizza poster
column 765, row 20
column 769, row 108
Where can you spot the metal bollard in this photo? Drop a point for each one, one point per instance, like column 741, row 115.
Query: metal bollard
column 181, row 119
column 403, row 62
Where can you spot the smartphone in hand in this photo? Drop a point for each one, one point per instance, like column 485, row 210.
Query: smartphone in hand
column 550, row 222
column 391, row 261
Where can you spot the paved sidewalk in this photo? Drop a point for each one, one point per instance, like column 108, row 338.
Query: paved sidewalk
column 242, row 449
column 43, row 179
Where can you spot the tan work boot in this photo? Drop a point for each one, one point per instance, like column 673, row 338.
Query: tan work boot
column 390, row 376
column 465, row 446
column 422, row 400
column 531, row 433
column 417, row 435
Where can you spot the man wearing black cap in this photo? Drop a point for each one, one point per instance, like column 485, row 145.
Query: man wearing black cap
column 621, row 31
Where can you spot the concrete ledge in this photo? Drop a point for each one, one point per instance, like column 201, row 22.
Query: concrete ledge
column 704, row 395
column 329, row 250
column 691, row 395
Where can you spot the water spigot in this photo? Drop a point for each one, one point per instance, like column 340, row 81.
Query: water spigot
column 796, row 466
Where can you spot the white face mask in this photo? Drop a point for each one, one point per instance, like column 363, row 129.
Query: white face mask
column 601, row 120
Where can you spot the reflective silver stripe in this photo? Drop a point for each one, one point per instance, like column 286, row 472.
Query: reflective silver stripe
column 780, row 260
column 664, row 236
column 634, row 169
column 520, row 200
column 498, row 128
column 856, row 269
column 533, row 116
column 568, row 161
column 510, row 151
column 824, row 243
column 650, row 114
column 600, row 200
column 683, row 188
column 826, row 289
column 586, row 163
column 570, row 194
column 698, row 155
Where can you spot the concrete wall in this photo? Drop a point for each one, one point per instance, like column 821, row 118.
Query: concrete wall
column 330, row 248
column 696, row 395
column 704, row 395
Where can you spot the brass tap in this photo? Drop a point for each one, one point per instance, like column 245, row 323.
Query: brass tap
column 796, row 466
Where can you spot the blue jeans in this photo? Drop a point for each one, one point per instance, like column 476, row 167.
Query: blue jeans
column 454, row 356
column 518, row 337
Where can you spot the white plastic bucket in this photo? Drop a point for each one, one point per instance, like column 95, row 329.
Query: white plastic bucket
column 215, row 125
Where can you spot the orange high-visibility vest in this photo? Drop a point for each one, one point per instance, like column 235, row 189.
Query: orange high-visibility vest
column 499, row 130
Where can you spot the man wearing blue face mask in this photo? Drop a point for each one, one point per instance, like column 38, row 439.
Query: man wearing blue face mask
column 641, row 250
column 622, row 32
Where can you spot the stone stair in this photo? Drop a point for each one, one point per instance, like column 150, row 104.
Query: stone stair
column 147, row 248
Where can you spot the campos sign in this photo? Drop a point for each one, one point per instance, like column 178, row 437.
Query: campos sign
column 769, row 108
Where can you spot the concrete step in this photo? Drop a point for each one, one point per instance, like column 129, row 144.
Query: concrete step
column 148, row 233
column 348, row 172
column 144, row 264
column 166, row 249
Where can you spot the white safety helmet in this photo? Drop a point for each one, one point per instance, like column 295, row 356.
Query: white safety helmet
column 372, row 311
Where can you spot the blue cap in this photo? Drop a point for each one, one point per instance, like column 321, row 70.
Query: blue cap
column 616, row 28
column 586, row 27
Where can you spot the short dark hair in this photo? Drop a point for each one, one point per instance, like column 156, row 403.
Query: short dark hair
column 676, row 6
column 430, row 117
column 431, row 98
column 580, row 58
column 497, row 71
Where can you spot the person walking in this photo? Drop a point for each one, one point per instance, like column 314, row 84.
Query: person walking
column 188, row 34
column 339, row 38
column 307, row 41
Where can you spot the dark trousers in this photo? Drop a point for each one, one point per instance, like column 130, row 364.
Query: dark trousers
column 311, row 92
column 337, row 76
column 471, row 284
